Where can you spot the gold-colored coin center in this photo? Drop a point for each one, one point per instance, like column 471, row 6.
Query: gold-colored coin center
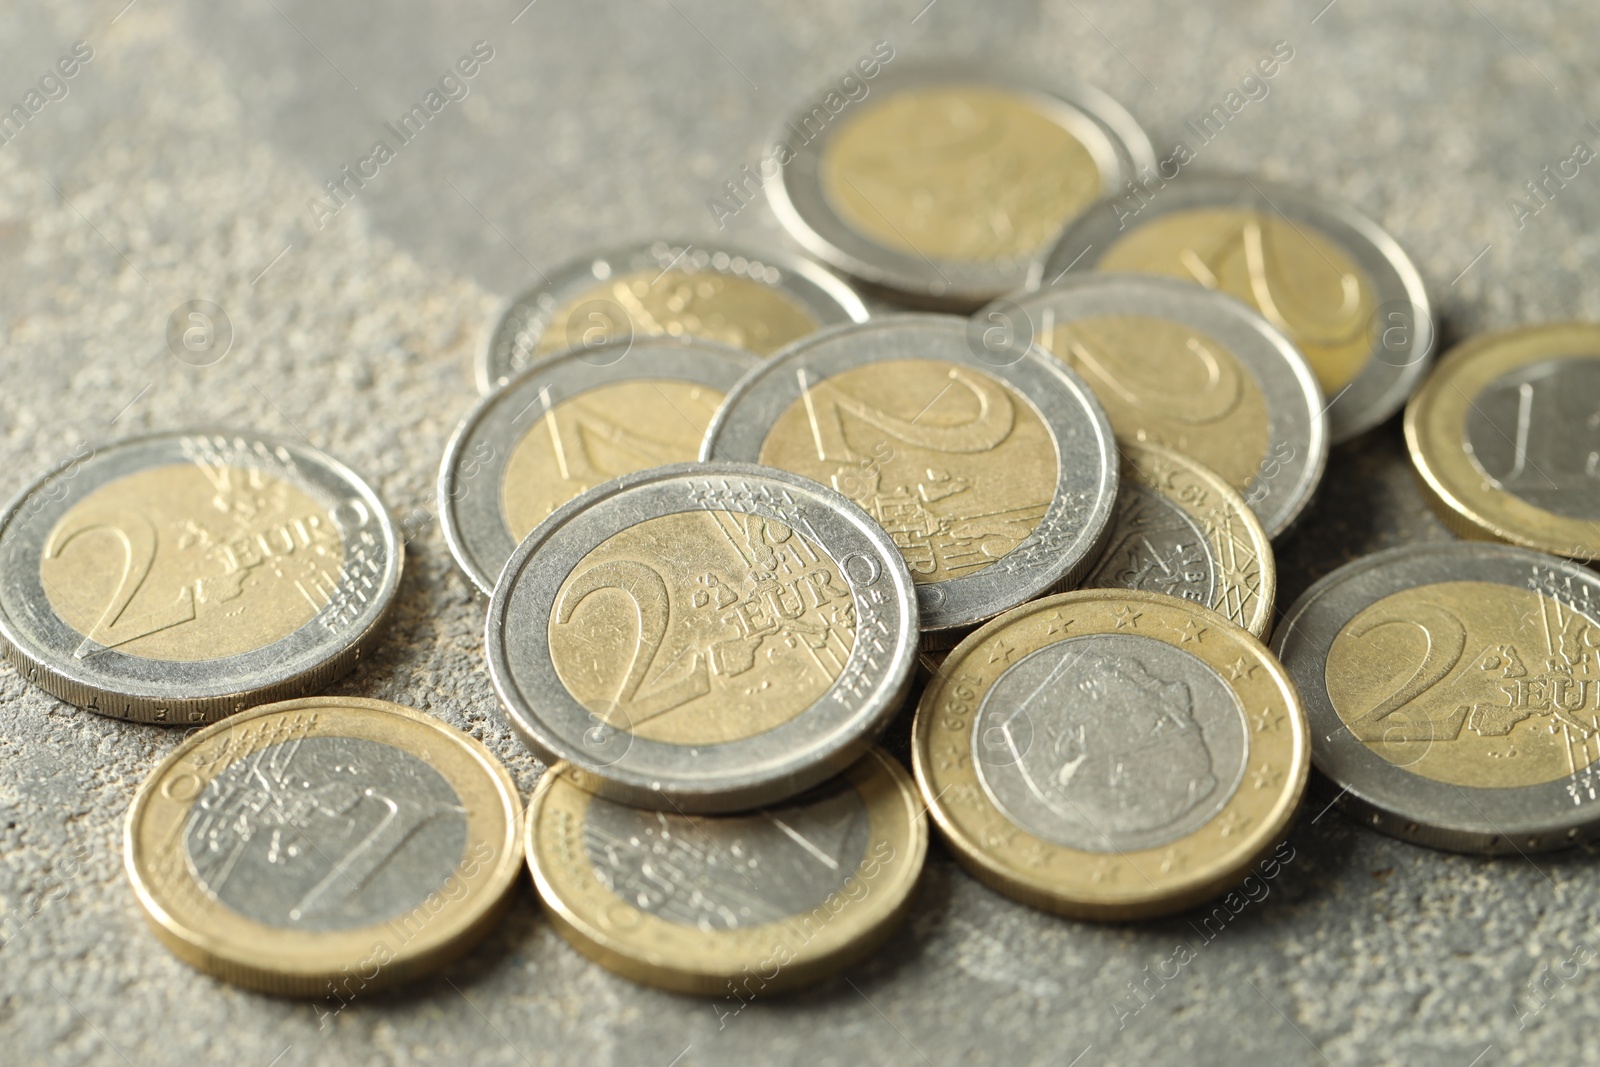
column 600, row 434
column 964, row 172
column 702, row 627
column 191, row 562
column 1161, row 382
column 1471, row 683
column 715, row 307
column 946, row 458
column 1303, row 282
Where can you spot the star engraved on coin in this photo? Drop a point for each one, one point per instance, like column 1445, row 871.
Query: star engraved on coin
column 1266, row 719
column 1127, row 617
column 1191, row 631
column 1240, row 668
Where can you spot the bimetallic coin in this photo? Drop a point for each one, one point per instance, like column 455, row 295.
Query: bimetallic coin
column 567, row 424
column 1454, row 694
column 178, row 578
column 324, row 846
column 1191, row 371
column 1179, row 529
column 944, row 185
column 1111, row 754
column 1505, row 436
column 992, row 467
column 733, row 905
column 757, row 301
column 1329, row 278
column 703, row 637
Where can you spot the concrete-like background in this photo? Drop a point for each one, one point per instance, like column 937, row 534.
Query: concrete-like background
column 179, row 167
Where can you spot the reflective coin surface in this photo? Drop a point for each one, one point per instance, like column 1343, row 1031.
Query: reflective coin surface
column 735, row 906
column 1191, row 371
column 1179, row 529
column 324, row 846
column 1111, row 754
column 1327, row 277
column 1454, row 694
column 992, row 468
column 941, row 185
column 1505, row 436
column 757, row 301
column 565, row 425
column 703, row 637
column 182, row 577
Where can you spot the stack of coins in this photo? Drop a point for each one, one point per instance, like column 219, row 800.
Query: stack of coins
column 729, row 526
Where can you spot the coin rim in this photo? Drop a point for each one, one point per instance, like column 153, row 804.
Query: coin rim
column 199, row 702
column 747, row 413
column 1392, row 799
column 250, row 954
column 708, row 972
column 1379, row 388
column 1232, row 323
column 797, row 198
column 1160, row 894
column 1435, row 430
column 662, row 784
column 828, row 298
column 456, row 530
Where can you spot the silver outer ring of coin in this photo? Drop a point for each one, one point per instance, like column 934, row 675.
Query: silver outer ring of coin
column 738, row 775
column 1104, row 127
column 1087, row 461
column 470, row 506
column 1391, row 799
column 513, row 345
column 1403, row 332
column 1294, row 399
column 173, row 692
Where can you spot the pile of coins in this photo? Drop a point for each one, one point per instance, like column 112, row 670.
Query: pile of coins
column 730, row 523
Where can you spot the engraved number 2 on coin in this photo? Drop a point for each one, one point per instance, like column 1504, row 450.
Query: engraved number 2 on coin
column 1447, row 639
column 1342, row 325
column 137, row 537
column 991, row 425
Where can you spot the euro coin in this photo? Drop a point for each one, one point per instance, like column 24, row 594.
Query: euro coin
column 568, row 423
column 1505, row 437
column 991, row 465
column 732, row 906
column 703, row 637
column 181, row 577
column 1111, row 754
column 324, row 846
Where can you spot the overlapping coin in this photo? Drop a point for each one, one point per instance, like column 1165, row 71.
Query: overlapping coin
column 703, row 637
column 182, row 577
column 733, row 905
column 1188, row 370
column 991, row 465
column 1111, row 754
column 944, row 184
column 758, row 301
column 1338, row 286
column 565, row 425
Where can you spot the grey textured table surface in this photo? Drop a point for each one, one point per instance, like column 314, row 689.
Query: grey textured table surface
column 180, row 165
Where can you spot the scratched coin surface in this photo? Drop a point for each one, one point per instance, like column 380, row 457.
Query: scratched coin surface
column 1454, row 694
column 1181, row 530
column 757, row 301
column 730, row 906
column 324, row 846
column 992, row 468
column 1505, row 437
column 567, row 424
column 943, row 185
column 1329, row 278
column 703, row 637
column 181, row 577
column 1111, row 754
column 1191, row 371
